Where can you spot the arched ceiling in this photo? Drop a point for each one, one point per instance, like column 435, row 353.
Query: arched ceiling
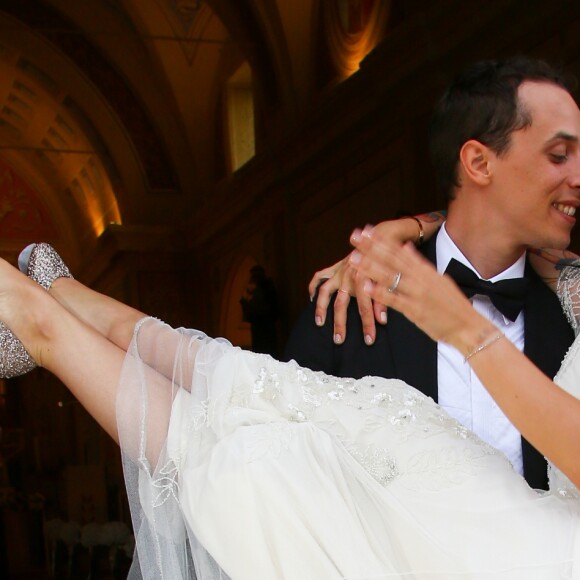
column 108, row 108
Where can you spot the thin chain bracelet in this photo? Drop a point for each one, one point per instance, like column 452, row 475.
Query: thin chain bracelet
column 483, row 345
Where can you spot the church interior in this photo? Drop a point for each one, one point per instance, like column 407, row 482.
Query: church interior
column 168, row 148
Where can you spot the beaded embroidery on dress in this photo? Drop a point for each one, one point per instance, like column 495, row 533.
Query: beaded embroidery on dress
column 568, row 289
column 239, row 466
column 568, row 377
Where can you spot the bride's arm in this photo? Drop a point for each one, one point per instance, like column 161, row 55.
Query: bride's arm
column 547, row 416
column 342, row 279
column 547, row 263
column 560, row 270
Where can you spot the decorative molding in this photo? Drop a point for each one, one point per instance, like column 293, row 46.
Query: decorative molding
column 186, row 19
column 74, row 45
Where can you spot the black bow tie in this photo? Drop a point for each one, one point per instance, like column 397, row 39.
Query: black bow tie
column 508, row 296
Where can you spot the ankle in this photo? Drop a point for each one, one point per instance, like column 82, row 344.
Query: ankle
column 29, row 313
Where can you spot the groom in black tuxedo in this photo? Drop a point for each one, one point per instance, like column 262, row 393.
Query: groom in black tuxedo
column 501, row 140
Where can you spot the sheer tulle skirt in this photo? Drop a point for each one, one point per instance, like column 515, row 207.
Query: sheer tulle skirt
column 242, row 467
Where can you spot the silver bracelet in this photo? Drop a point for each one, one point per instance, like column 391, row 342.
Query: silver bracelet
column 483, row 345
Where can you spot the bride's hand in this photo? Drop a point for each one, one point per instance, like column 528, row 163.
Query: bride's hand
column 341, row 278
column 409, row 283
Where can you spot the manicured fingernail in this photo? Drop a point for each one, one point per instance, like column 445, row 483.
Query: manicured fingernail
column 368, row 286
column 355, row 257
column 384, row 317
column 319, row 321
column 368, row 339
column 337, row 338
column 368, row 230
column 356, row 235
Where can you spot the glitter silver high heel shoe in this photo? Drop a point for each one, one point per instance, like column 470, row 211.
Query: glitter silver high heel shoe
column 14, row 360
column 41, row 263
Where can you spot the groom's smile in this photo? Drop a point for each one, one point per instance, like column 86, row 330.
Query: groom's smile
column 537, row 180
column 569, row 210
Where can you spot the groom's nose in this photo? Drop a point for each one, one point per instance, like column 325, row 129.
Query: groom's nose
column 574, row 177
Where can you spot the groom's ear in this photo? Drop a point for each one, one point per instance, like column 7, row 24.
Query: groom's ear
column 474, row 159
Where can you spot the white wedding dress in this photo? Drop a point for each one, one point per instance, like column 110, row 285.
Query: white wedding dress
column 242, row 467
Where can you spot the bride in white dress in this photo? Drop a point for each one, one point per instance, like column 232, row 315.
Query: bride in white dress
column 242, row 467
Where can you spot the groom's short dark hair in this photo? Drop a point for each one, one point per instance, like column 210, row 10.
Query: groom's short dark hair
column 482, row 104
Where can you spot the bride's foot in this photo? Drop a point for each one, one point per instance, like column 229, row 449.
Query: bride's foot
column 41, row 263
column 14, row 358
column 27, row 323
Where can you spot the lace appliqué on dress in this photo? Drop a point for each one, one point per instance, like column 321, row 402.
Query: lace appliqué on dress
column 166, row 484
column 388, row 404
column 444, row 469
column 377, row 462
column 269, row 441
column 568, row 290
column 560, row 485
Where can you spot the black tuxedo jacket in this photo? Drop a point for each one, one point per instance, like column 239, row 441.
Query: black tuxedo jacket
column 404, row 352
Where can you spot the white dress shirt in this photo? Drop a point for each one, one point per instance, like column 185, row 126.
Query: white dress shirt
column 461, row 393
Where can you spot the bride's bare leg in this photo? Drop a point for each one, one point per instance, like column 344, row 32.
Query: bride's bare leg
column 114, row 320
column 87, row 363
column 109, row 317
column 82, row 358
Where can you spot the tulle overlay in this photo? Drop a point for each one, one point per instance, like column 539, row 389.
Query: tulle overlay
column 246, row 468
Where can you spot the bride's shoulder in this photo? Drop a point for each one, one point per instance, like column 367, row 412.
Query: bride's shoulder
column 568, row 290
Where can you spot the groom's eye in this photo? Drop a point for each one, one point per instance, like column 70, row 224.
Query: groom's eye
column 559, row 157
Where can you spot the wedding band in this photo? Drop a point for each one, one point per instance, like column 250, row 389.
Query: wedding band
column 396, row 279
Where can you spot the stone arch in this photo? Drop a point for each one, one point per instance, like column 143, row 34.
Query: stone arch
column 232, row 326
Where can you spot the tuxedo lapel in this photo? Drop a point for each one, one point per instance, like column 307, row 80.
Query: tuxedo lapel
column 413, row 352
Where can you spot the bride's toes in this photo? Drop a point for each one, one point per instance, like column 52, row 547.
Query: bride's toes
column 14, row 360
column 41, row 263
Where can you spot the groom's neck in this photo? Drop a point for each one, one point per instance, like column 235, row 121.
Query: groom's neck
column 489, row 248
